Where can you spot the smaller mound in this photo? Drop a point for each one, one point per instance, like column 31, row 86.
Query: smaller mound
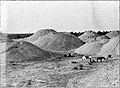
column 39, row 33
column 113, row 34
column 88, row 35
column 111, row 48
column 58, row 42
column 25, row 51
column 92, row 48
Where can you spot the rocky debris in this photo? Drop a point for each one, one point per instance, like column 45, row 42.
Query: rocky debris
column 100, row 75
column 106, row 75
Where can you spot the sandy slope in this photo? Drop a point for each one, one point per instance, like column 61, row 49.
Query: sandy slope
column 25, row 51
column 39, row 33
column 112, row 47
column 58, row 42
column 92, row 48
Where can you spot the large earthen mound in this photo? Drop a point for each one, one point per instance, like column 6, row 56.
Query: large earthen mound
column 113, row 34
column 111, row 48
column 58, row 42
column 39, row 33
column 92, row 48
column 25, row 51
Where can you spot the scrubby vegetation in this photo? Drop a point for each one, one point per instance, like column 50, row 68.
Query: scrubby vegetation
column 98, row 32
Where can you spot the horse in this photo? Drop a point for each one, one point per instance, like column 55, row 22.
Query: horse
column 86, row 57
column 100, row 59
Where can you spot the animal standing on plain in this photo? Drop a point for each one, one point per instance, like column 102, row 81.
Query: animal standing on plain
column 86, row 57
column 103, row 58
column 100, row 59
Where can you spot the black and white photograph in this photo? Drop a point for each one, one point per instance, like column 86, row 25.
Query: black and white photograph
column 59, row 44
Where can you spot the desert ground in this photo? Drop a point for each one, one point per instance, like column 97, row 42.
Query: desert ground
column 51, row 59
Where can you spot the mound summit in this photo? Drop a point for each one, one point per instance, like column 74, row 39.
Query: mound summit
column 39, row 33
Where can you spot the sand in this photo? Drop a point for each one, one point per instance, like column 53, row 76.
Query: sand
column 39, row 33
column 58, row 42
column 25, row 51
column 92, row 48
column 112, row 47
column 88, row 36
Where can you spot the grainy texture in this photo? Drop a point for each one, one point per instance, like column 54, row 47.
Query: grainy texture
column 92, row 48
column 25, row 51
column 112, row 47
column 58, row 42
column 39, row 33
column 42, row 75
